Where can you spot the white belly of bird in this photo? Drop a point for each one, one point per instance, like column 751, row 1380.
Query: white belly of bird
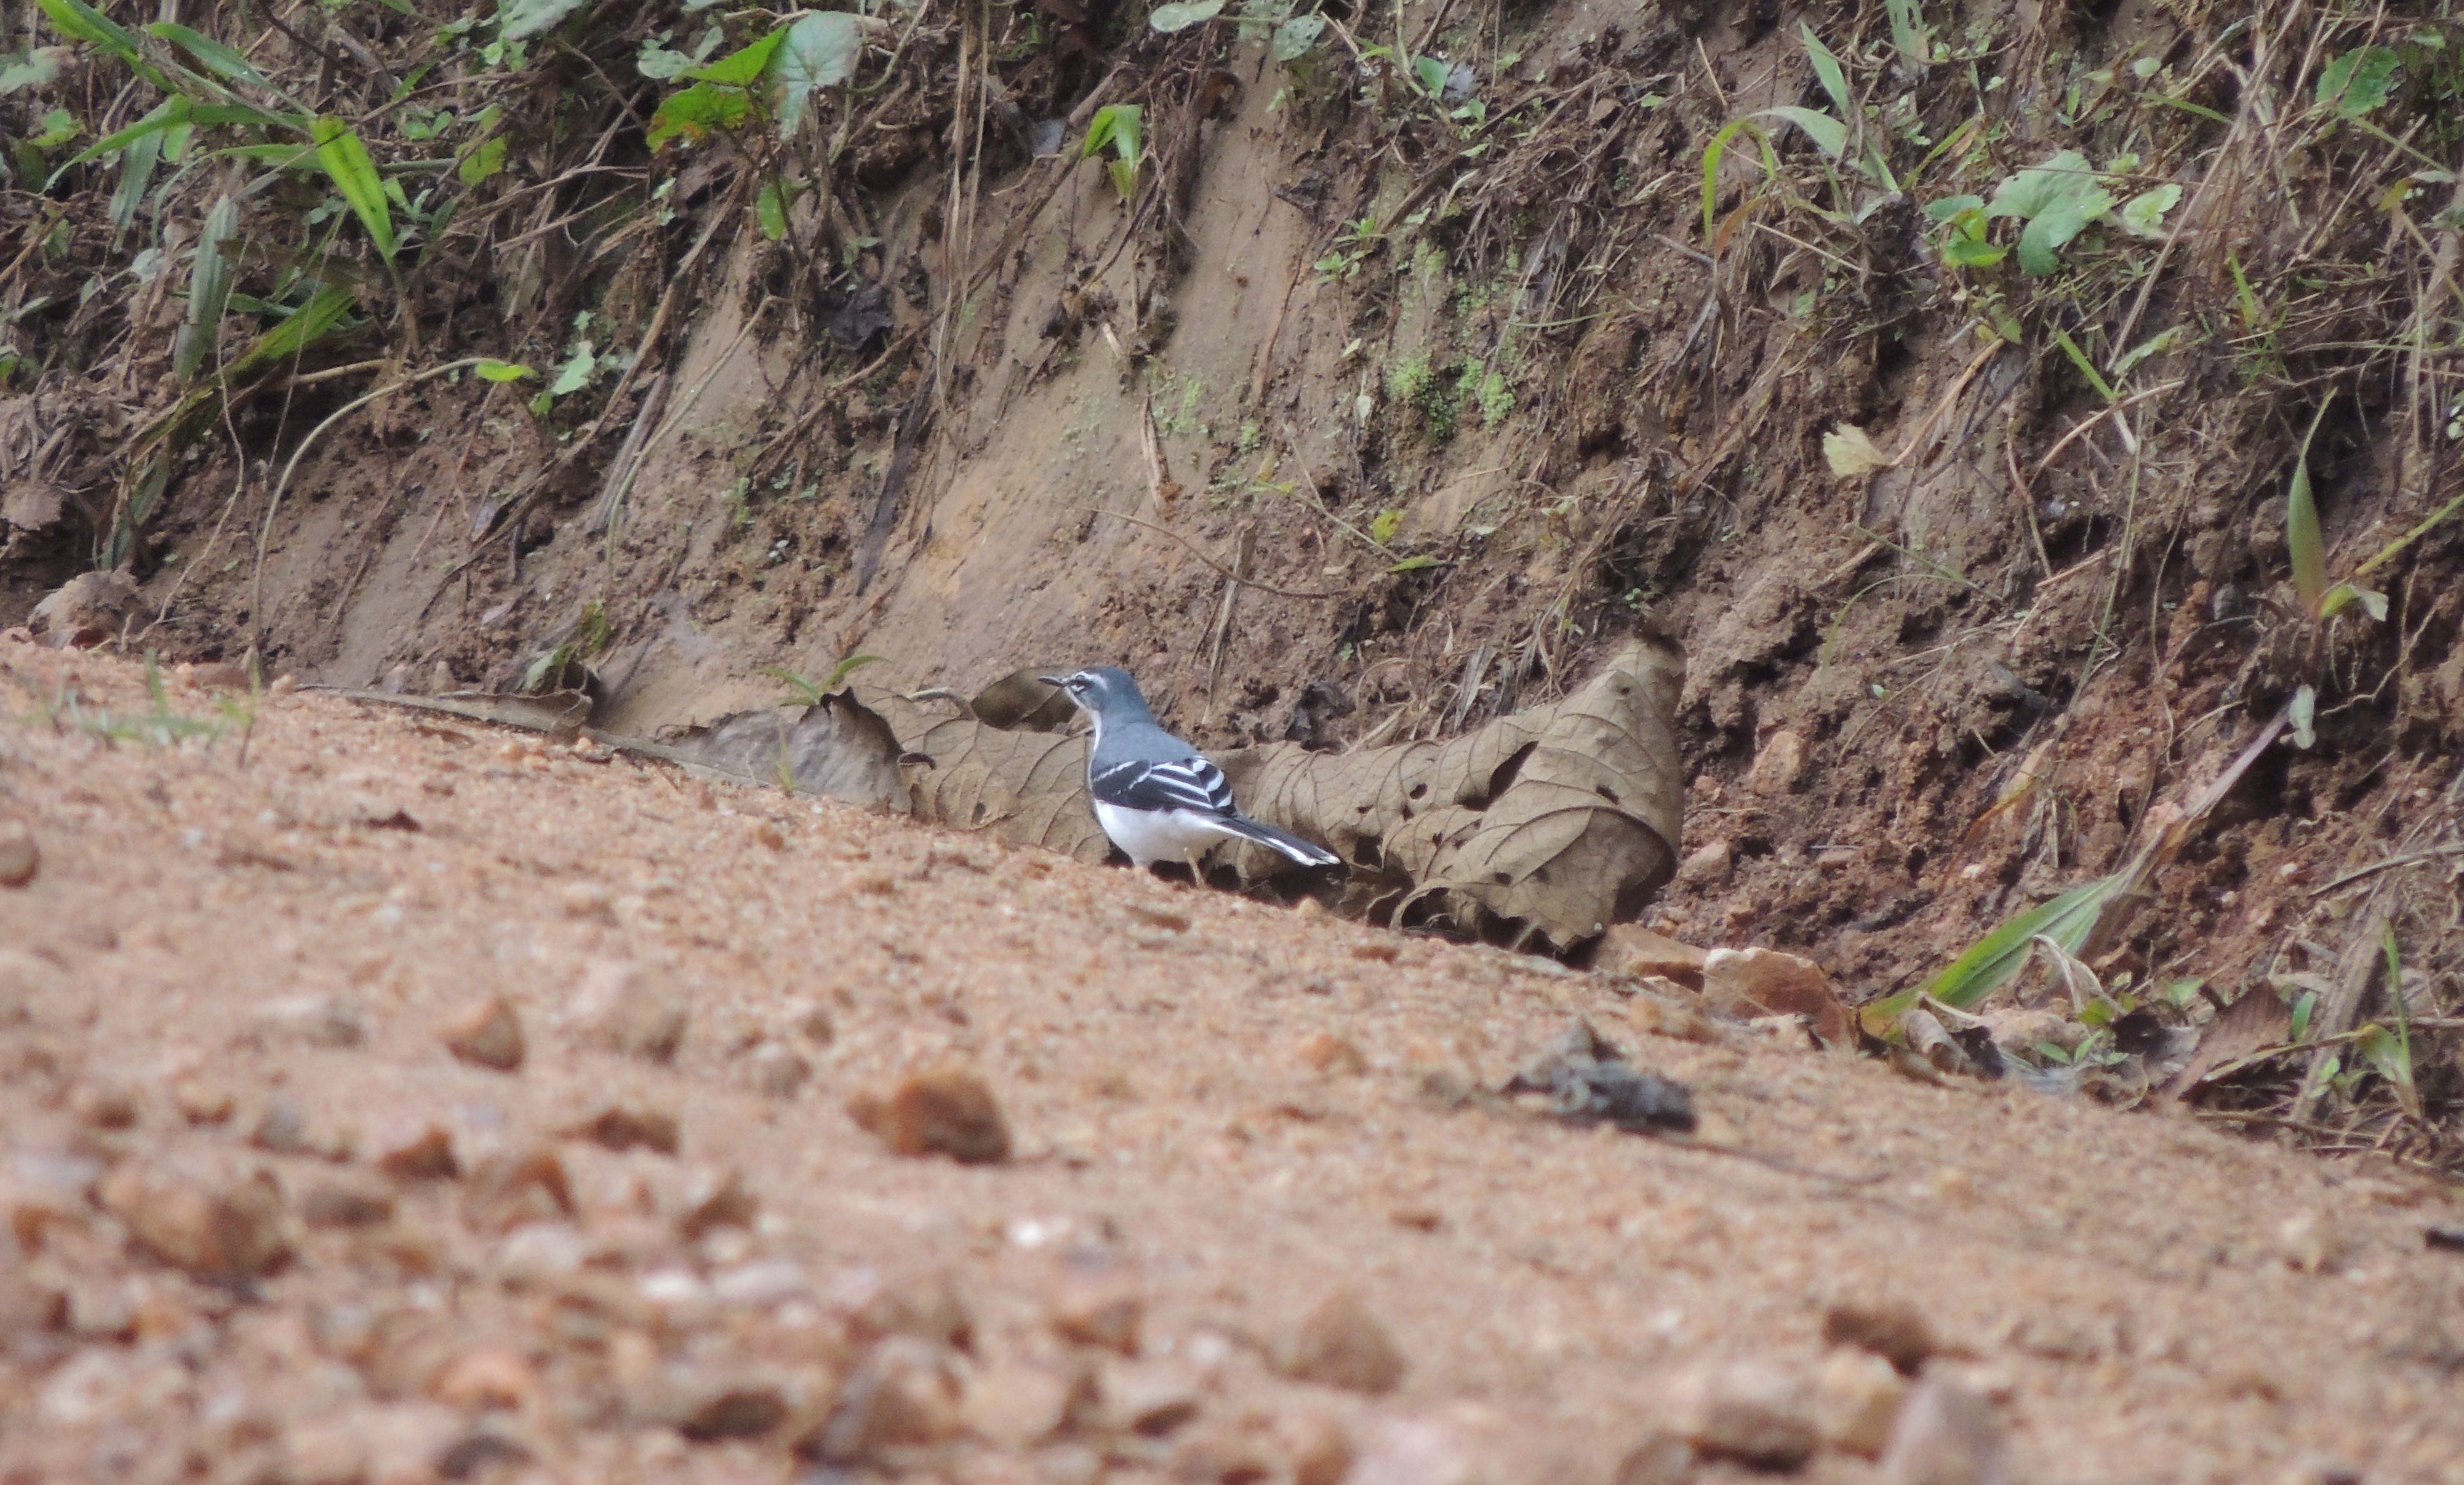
column 1151, row 836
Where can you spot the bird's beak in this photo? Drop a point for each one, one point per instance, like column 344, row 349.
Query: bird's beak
column 1054, row 680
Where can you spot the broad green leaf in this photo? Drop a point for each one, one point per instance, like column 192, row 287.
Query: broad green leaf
column 1295, row 37
column 2142, row 215
column 1995, row 957
column 59, row 126
column 2302, row 541
column 821, row 51
column 744, row 66
column 1432, row 73
column 302, row 328
column 221, row 60
column 35, row 68
column 2042, row 240
column 1181, row 15
column 1384, row 524
column 491, row 370
column 169, row 113
column 770, row 207
column 1829, row 134
column 79, row 21
column 1826, row 68
column 2343, row 595
column 2035, row 190
column 482, row 164
column 340, row 150
column 1118, row 125
column 2358, row 81
column 660, row 64
column 1414, row 565
column 210, row 279
column 1973, row 250
column 696, row 112
column 1949, row 206
column 2390, row 1056
column 1908, row 33
column 136, row 174
column 576, row 372
column 518, row 20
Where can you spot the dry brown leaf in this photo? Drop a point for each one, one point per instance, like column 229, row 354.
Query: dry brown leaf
column 1852, row 454
column 1024, row 700
column 1556, row 821
column 1028, row 788
column 840, row 747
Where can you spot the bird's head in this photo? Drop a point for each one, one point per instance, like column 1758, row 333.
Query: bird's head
column 1100, row 689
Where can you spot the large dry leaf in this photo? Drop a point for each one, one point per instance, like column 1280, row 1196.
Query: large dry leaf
column 1556, row 821
column 840, row 747
column 1025, row 787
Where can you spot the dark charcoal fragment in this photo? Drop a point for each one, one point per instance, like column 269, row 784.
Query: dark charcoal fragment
column 1588, row 1081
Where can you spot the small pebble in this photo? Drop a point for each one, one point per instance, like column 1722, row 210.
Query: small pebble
column 487, row 1034
column 1326, row 1053
column 1944, row 1435
column 418, row 1152
column 345, row 1203
column 1017, row 1405
column 19, row 857
column 215, row 1227
column 1856, row 1397
column 944, row 1110
column 777, row 1071
column 624, row 1126
column 1754, row 1414
column 1340, row 1344
column 1149, row 1398
column 904, row 1393
column 627, row 1007
column 1891, row 1329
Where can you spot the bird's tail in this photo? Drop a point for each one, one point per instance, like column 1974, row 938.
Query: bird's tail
column 1301, row 851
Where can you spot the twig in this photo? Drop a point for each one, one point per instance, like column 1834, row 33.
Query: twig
column 620, row 474
column 2100, row 415
column 273, row 504
column 2412, row 858
column 1195, row 551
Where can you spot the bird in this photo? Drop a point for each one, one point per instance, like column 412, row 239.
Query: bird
column 1157, row 797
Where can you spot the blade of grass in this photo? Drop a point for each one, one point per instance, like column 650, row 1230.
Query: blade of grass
column 345, row 158
column 1991, row 961
column 2301, row 539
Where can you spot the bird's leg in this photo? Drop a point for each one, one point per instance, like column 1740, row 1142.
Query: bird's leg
column 1196, row 856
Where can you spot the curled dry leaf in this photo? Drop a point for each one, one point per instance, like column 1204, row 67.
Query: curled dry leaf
column 840, row 747
column 1025, row 787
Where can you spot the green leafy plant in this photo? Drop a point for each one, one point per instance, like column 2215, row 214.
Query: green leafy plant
column 1179, row 15
column 1117, row 126
column 1989, row 963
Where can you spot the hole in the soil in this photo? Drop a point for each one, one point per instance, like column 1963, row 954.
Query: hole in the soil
column 1916, row 859
column 1751, row 846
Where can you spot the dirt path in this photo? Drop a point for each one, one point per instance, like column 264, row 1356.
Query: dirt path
column 1220, row 1115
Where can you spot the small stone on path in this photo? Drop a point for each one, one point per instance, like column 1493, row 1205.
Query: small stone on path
column 1340, row 1344
column 487, row 1034
column 942, row 1111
